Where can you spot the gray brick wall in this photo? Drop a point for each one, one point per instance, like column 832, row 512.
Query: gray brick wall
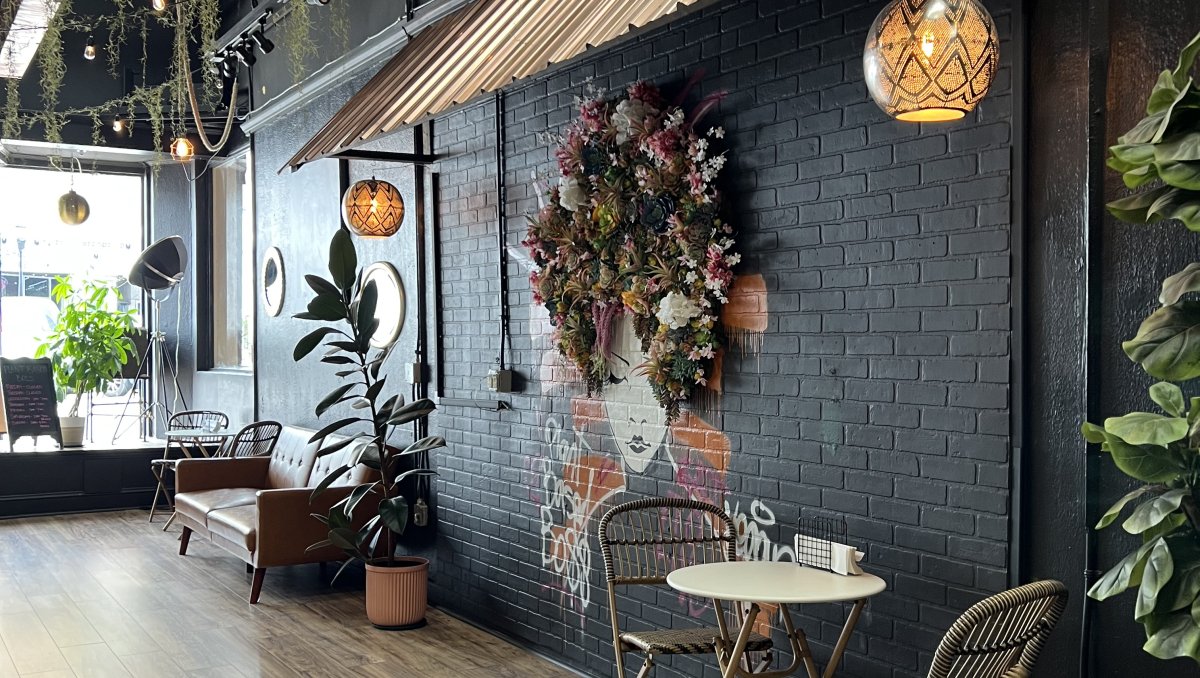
column 881, row 392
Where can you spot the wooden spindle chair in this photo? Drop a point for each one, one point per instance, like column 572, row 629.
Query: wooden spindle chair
column 1001, row 636
column 642, row 542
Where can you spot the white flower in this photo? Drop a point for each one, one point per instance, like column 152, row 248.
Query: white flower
column 571, row 195
column 718, row 132
column 691, row 277
column 733, row 259
column 676, row 310
column 628, row 112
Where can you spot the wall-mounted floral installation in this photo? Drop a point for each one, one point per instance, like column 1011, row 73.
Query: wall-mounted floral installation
column 634, row 228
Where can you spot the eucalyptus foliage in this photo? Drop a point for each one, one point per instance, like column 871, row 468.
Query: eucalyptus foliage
column 348, row 305
column 1160, row 157
column 90, row 340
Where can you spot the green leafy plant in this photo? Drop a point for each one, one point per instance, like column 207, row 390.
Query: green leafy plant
column 90, row 341
column 1161, row 154
column 349, row 304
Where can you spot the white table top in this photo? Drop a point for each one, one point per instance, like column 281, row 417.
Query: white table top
column 198, row 433
column 764, row 582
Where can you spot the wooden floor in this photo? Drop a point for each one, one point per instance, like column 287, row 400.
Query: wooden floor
column 105, row 594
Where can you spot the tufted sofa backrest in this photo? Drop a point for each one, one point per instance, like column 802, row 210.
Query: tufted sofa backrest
column 326, row 464
column 292, row 459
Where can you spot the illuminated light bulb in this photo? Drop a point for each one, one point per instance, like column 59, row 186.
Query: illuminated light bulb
column 158, row 5
column 89, row 52
column 118, row 125
column 182, row 149
column 927, row 44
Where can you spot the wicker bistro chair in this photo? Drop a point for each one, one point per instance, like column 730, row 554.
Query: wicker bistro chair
column 644, row 541
column 255, row 440
column 1001, row 636
column 189, row 419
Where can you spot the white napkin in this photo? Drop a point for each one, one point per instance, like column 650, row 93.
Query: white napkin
column 843, row 559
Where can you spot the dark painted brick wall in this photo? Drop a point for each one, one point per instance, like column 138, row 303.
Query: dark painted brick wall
column 882, row 388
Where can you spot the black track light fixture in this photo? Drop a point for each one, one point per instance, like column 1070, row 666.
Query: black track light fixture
column 264, row 43
column 245, row 52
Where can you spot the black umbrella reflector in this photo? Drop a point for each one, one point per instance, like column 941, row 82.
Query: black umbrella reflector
column 161, row 265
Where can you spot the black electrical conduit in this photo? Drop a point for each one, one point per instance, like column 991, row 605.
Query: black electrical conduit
column 501, row 228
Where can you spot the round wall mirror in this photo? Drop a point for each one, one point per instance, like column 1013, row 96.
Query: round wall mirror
column 272, row 281
column 389, row 310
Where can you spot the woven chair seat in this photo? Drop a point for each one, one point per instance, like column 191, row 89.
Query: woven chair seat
column 686, row 641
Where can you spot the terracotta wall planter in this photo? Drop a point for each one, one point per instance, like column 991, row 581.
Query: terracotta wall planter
column 397, row 596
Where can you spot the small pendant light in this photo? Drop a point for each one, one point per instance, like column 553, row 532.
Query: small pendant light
column 373, row 208
column 931, row 60
column 89, row 51
column 73, row 208
column 182, row 149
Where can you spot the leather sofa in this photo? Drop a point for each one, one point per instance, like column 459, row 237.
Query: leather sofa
column 258, row 509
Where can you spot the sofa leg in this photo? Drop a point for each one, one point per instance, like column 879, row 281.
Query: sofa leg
column 249, row 568
column 256, row 587
column 183, row 540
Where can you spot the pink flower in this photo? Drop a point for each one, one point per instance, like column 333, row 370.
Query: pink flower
column 696, row 182
column 664, row 144
column 593, row 115
column 647, row 93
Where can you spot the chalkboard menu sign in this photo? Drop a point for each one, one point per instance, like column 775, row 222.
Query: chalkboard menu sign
column 30, row 405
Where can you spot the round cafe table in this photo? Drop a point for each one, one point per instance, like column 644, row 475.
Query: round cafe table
column 188, row 439
column 775, row 583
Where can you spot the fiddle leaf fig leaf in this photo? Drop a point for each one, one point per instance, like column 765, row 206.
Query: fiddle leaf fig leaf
column 424, row 444
column 1183, row 282
column 1168, row 396
column 1153, row 512
column 1135, row 209
column 1147, row 463
column 320, row 285
column 1158, row 571
column 1187, row 59
column 1124, row 575
column 1164, row 93
column 1167, row 344
column 309, row 342
column 1177, row 636
column 1093, row 433
column 327, row 308
column 334, row 396
column 327, row 481
column 1144, row 428
column 1114, row 511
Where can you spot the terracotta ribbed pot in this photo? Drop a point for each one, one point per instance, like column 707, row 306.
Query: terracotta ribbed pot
column 397, row 596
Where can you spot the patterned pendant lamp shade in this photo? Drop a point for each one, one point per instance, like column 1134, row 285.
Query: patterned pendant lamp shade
column 931, row 60
column 373, row 208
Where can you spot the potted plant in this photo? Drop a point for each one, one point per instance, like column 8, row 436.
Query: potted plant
column 1161, row 155
column 396, row 585
column 87, row 346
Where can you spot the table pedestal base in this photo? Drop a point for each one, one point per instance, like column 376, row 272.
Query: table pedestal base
column 731, row 654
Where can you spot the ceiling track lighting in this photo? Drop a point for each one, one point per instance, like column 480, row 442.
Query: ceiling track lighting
column 263, row 42
column 245, row 52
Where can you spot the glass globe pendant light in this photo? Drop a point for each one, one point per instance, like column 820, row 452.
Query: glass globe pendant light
column 931, row 60
column 73, row 209
column 373, row 208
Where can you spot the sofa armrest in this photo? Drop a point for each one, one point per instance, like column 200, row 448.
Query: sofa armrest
column 286, row 527
column 195, row 475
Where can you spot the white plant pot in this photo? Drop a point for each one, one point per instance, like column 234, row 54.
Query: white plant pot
column 72, row 430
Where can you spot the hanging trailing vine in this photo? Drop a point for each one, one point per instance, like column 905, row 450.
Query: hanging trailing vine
column 298, row 34
column 339, row 23
column 53, row 68
column 12, row 109
column 116, row 36
column 208, row 21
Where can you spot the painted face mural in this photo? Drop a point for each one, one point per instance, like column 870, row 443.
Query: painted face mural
column 638, row 424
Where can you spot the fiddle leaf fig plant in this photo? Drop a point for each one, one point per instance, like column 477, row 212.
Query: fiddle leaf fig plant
column 1164, row 150
column 1160, row 158
column 347, row 303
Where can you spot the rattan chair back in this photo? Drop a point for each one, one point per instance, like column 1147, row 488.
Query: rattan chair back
column 206, row 420
column 643, row 541
column 255, row 440
column 1001, row 636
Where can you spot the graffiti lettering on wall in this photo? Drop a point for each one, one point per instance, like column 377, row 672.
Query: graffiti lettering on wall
column 753, row 541
column 574, row 484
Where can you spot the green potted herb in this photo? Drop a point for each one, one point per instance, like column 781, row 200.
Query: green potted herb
column 88, row 345
column 396, row 585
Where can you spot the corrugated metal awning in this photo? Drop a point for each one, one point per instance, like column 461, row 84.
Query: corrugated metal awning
column 480, row 48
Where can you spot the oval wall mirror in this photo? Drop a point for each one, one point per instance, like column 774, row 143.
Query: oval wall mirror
column 272, row 281
column 389, row 310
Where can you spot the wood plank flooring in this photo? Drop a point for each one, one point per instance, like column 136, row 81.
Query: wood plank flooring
column 105, row 595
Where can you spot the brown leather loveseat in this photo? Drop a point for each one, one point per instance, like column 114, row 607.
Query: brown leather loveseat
column 258, row 509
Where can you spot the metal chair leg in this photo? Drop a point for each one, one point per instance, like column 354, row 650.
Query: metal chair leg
column 647, row 667
column 161, row 490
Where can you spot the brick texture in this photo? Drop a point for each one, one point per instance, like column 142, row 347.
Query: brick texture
column 881, row 391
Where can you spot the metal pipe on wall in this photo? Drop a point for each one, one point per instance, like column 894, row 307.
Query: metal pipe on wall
column 501, row 228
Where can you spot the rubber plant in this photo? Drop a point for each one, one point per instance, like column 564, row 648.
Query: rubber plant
column 349, row 304
column 90, row 340
column 1160, row 157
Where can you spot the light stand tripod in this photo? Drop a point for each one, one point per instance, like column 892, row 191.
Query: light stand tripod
column 155, row 364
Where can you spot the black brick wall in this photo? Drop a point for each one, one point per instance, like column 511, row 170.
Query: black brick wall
column 882, row 388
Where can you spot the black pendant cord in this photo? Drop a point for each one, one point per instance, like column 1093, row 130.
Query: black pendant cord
column 1098, row 57
column 501, row 228
column 421, row 139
